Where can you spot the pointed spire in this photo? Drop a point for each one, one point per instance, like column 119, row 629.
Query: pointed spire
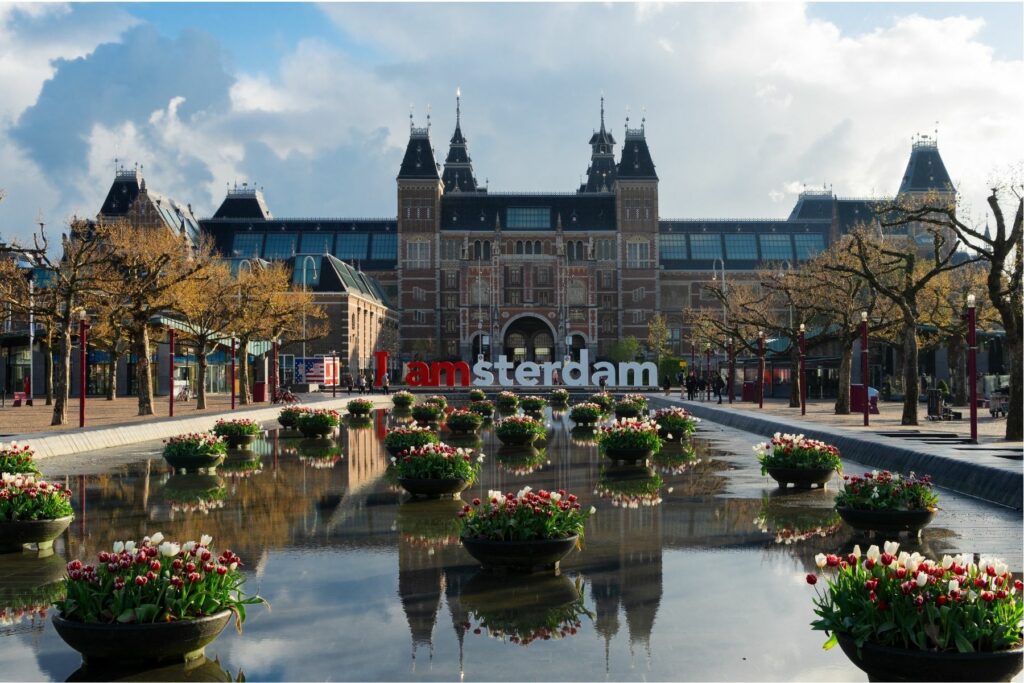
column 602, row 112
column 458, row 168
column 601, row 173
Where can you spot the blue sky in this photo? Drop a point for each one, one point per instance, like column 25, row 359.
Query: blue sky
column 746, row 103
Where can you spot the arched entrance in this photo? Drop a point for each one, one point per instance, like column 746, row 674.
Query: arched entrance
column 528, row 337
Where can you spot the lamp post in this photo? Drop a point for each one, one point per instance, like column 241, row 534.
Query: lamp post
column 334, row 367
column 803, row 371
column 972, row 363
column 232, row 372
column 83, row 331
column 31, row 337
column 760, row 369
column 170, row 371
column 308, row 259
column 864, row 363
column 273, row 371
column 732, row 371
column 707, row 369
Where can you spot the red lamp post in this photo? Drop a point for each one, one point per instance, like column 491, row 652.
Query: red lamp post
column 864, row 364
column 760, row 369
column 732, row 371
column 170, row 371
column 232, row 373
column 803, row 372
column 83, row 332
column 334, row 362
column 972, row 363
column 707, row 369
column 273, row 371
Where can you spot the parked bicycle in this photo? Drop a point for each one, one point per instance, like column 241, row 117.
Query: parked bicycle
column 282, row 395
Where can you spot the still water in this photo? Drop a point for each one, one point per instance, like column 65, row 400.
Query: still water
column 691, row 569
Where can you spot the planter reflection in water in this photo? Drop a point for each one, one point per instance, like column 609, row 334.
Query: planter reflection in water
column 195, row 492
column 197, row 669
column 522, row 610
column 675, row 458
column 791, row 522
column 430, row 523
column 29, row 584
column 897, row 600
column 241, row 467
column 520, row 460
column 630, row 486
column 319, row 453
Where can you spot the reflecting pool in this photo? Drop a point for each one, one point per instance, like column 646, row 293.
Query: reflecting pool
column 693, row 567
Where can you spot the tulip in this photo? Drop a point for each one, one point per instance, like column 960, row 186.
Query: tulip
column 873, row 553
column 812, row 579
column 856, row 551
column 891, row 547
column 953, row 585
column 118, row 547
column 205, row 540
column 129, row 546
column 156, row 538
column 168, row 549
column 922, row 579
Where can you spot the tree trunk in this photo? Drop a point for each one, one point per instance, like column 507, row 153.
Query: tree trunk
column 143, row 376
column 1014, row 418
column 201, row 365
column 244, row 395
column 911, row 390
column 794, row 385
column 48, row 365
column 60, row 405
column 845, row 367
column 115, row 358
column 957, row 361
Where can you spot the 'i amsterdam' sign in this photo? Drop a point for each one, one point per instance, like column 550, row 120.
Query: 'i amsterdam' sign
column 504, row 373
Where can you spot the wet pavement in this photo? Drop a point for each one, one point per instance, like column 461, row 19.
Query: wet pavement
column 693, row 567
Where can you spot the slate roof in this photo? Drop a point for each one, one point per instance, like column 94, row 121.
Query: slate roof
column 925, row 170
column 814, row 205
column 602, row 171
column 458, row 167
column 853, row 213
column 122, row 193
column 335, row 275
column 636, row 163
column 243, row 202
column 126, row 189
column 418, row 162
column 485, row 211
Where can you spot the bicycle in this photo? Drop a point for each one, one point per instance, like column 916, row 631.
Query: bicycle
column 284, row 396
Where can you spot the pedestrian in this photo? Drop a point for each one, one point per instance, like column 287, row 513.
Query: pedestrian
column 349, row 382
column 719, row 385
column 702, row 386
column 689, row 387
column 555, row 379
column 667, row 384
column 385, row 384
column 362, row 383
column 602, row 384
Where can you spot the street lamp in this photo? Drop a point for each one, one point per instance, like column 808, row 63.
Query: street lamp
column 864, row 363
column 760, row 369
column 724, row 287
column 972, row 363
column 707, row 368
column 83, row 331
column 308, row 259
column 334, row 371
column 732, row 371
column 803, row 372
column 170, row 370
column 232, row 372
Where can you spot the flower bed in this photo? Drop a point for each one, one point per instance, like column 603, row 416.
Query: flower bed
column 638, row 399
column 194, row 451
column 887, row 491
column 506, row 401
column 477, row 395
column 318, row 422
column 403, row 399
column 524, row 516
column 15, row 459
column 793, row 451
column 359, row 407
column 438, row 461
column 586, row 413
column 24, row 498
column 913, row 603
column 603, row 399
column 463, row 421
column 241, row 427
column 437, row 400
column 560, row 397
column 533, row 404
column 483, row 408
column 629, row 438
column 154, row 582
column 427, row 412
column 401, row 439
column 675, row 423
column 288, row 416
column 520, row 430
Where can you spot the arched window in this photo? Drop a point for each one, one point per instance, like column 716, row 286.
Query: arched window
column 487, row 250
column 516, row 340
column 529, row 247
column 519, row 247
column 537, row 247
column 570, row 251
column 477, row 250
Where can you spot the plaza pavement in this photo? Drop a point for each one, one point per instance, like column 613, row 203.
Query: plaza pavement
column 990, row 470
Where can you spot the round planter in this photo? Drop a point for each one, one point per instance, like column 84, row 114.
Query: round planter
column 358, row 413
column 619, row 414
column 192, row 463
column 316, row 432
column 633, row 454
column 890, row 521
column 286, row 422
column 516, row 440
column 165, row 641
column 240, row 440
column 799, row 477
column 583, row 433
column 584, row 423
column 14, row 535
column 433, row 488
column 470, row 440
column 520, row 555
column 198, row 669
column 884, row 663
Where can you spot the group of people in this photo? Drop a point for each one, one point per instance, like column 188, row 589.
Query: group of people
column 697, row 387
column 364, row 383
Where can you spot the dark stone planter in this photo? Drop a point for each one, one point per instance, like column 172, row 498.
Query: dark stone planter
column 520, row 555
column 883, row 663
column 14, row 535
column 166, row 641
column 619, row 414
column 240, row 441
column 317, row 432
column 583, row 433
column 286, row 422
column 584, row 423
column 799, row 477
column 628, row 454
column 464, row 432
column 358, row 413
column 199, row 669
column 433, row 488
column 192, row 463
column 891, row 521
column 518, row 440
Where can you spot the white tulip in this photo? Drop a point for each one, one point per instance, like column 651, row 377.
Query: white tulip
column 953, row 585
column 922, row 579
column 118, row 546
column 205, row 540
column 169, row 549
column 820, row 560
column 129, row 546
column 856, row 551
column 555, row 497
column 972, row 596
column 189, row 546
column 891, row 547
column 1001, row 568
column 873, row 553
column 947, row 561
column 593, row 509
column 912, row 564
column 902, row 559
column 156, row 539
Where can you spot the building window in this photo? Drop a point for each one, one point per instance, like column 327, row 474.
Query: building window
column 528, row 218
column 543, row 296
column 639, row 293
column 639, row 317
column 543, row 276
column 515, row 276
column 418, row 254
column 576, row 293
column 280, row 245
column 352, row 246
column 808, row 245
column 741, row 247
column 607, row 324
column 607, row 279
column 638, row 255
column 247, row 244
column 419, row 294
column 419, row 316
column 316, row 242
column 608, row 302
column 451, row 249
column 384, row 247
column 673, row 247
column 707, row 246
column 513, row 297
column 776, row 247
column 606, row 250
column 451, row 301
column 452, row 346
column 451, row 279
column 538, row 248
column 450, row 325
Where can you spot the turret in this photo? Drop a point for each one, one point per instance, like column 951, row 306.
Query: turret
column 458, row 167
column 602, row 171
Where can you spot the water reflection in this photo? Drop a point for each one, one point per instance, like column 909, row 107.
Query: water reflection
column 201, row 670
column 352, row 568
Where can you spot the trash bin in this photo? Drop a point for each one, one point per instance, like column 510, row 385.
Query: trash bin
column 750, row 391
column 856, row 398
column 259, row 392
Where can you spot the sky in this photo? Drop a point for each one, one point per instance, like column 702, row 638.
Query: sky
column 745, row 104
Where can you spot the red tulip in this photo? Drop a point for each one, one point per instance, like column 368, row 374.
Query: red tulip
column 812, row 579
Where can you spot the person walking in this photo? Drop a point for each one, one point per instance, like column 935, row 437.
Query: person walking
column 719, row 385
column 385, row 384
column 667, row 385
column 691, row 385
column 362, row 383
column 349, row 382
